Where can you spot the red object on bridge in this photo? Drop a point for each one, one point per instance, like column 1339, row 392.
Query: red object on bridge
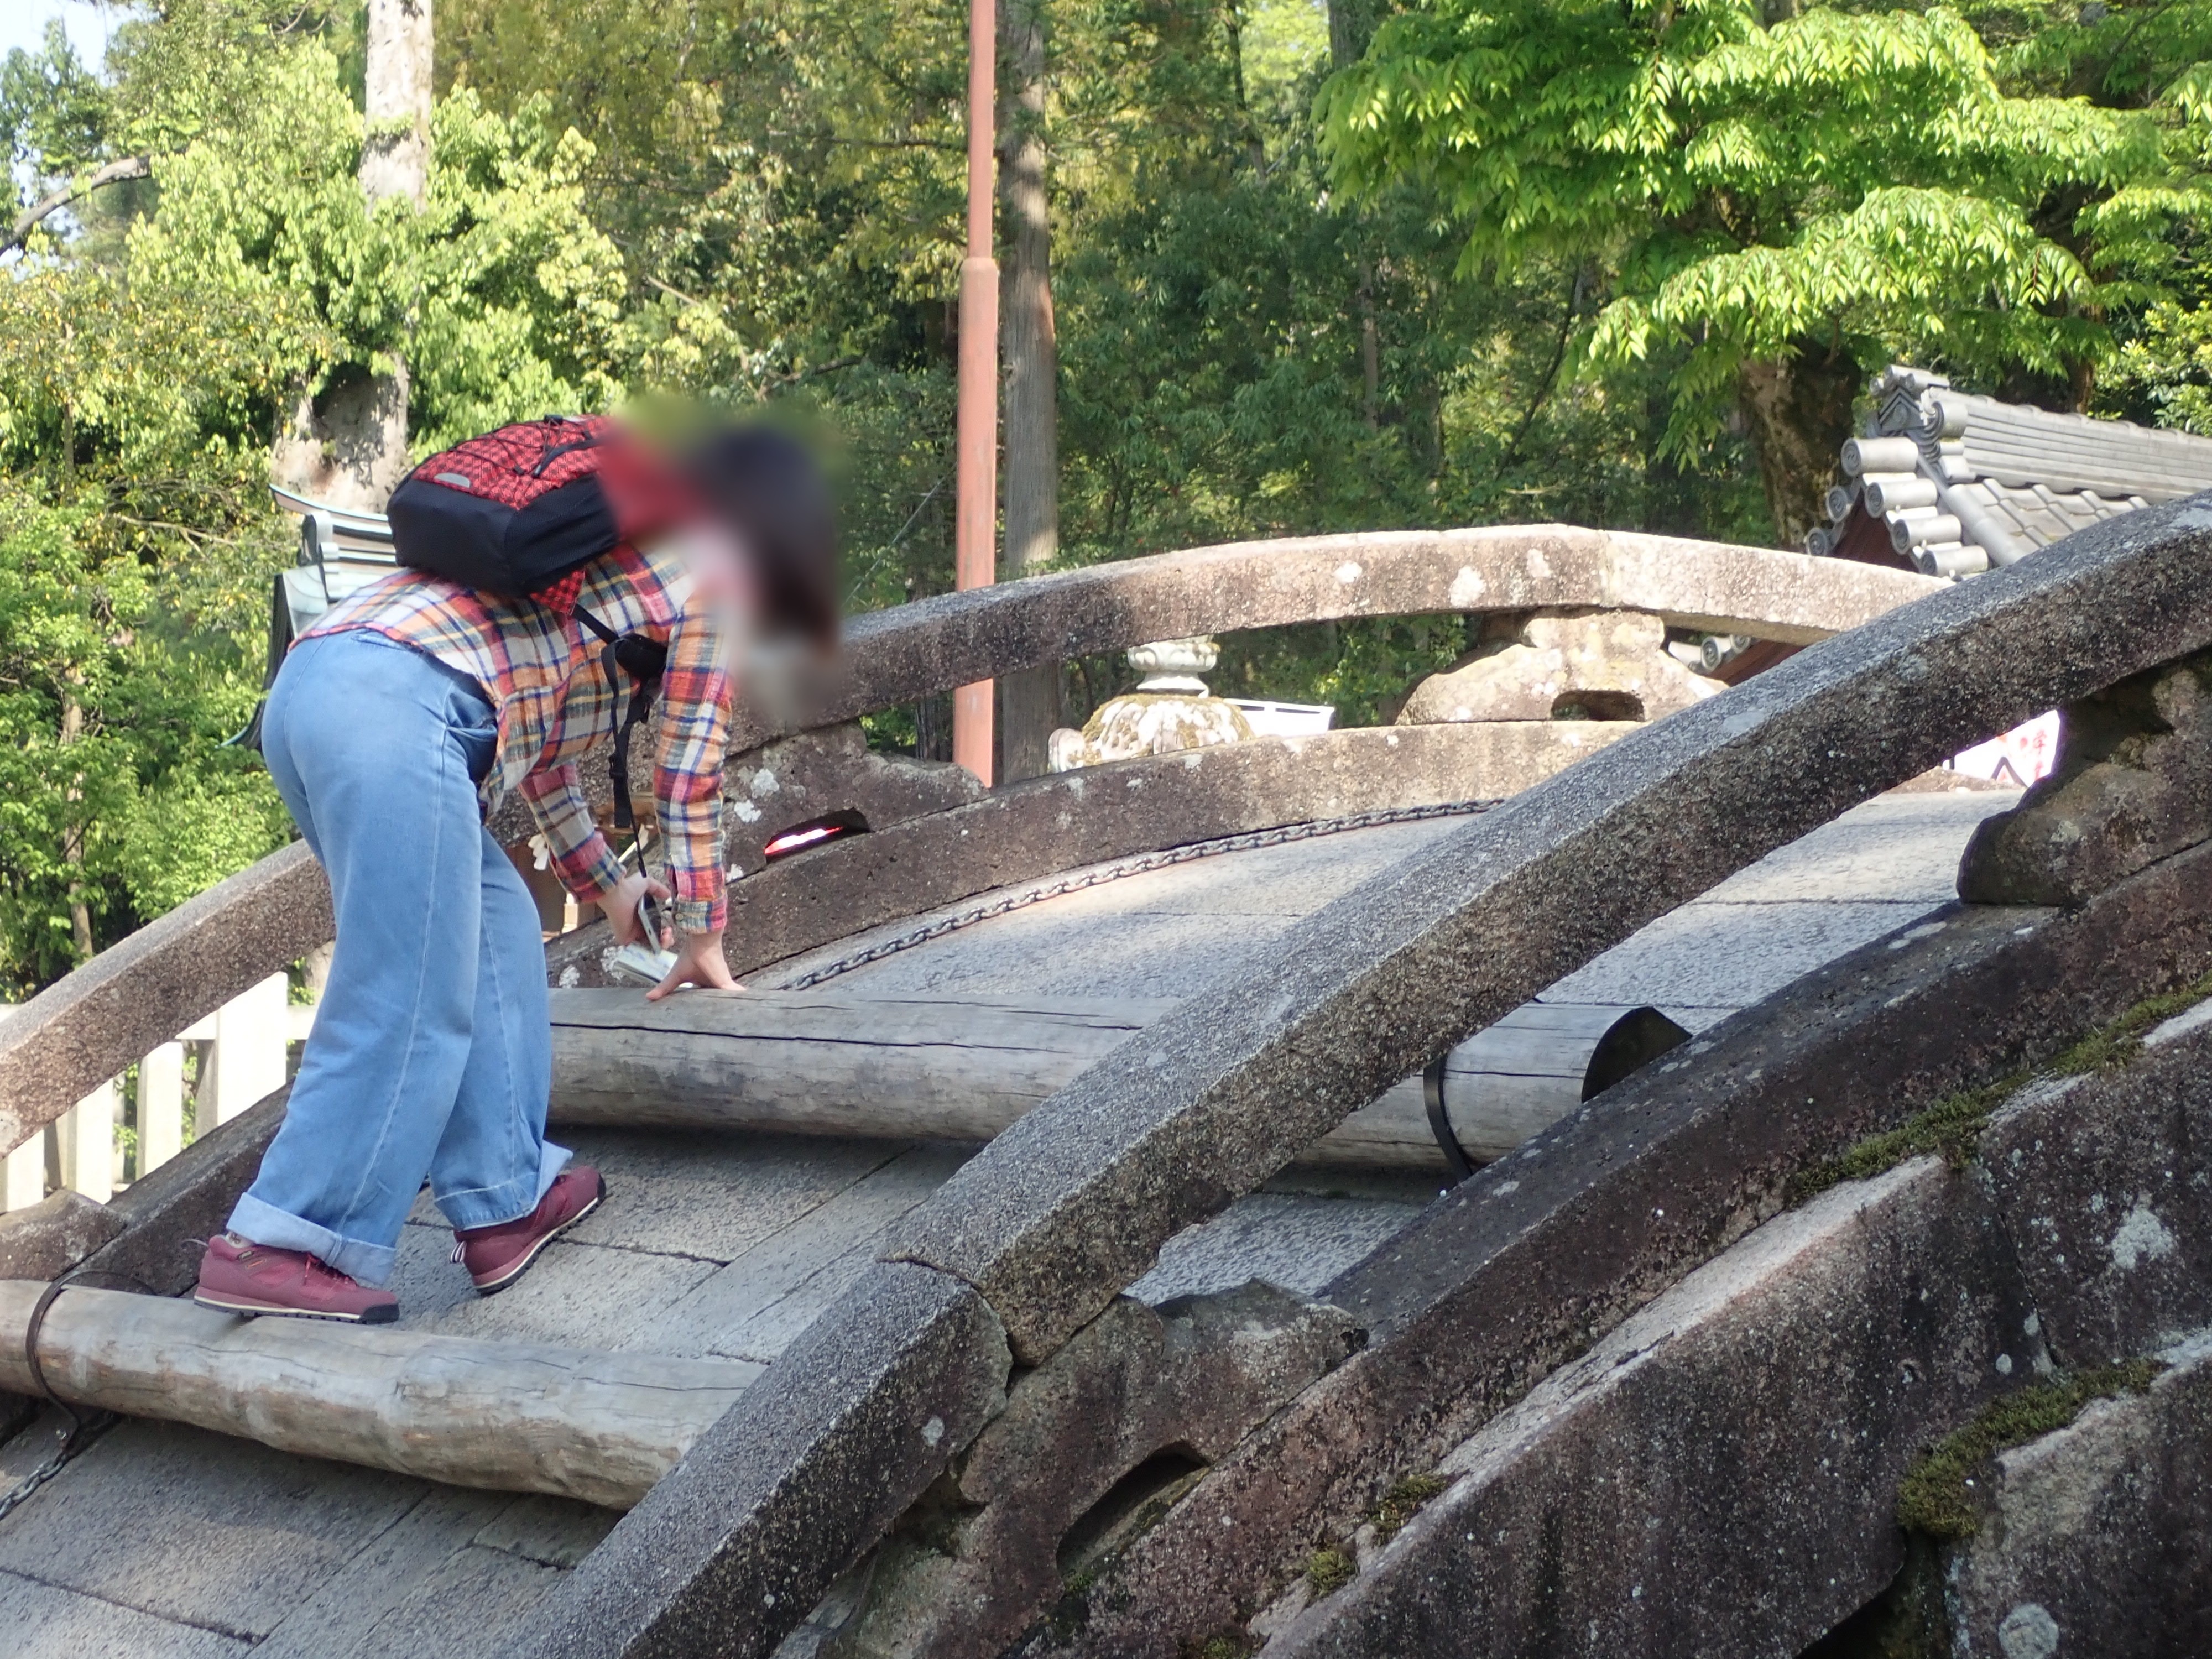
column 975, row 519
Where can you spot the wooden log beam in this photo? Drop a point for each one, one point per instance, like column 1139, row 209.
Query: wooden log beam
column 509, row 1417
column 833, row 1063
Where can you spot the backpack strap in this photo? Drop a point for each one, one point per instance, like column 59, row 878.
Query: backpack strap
column 642, row 660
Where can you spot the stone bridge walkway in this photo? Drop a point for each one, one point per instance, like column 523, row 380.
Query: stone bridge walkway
column 167, row 1539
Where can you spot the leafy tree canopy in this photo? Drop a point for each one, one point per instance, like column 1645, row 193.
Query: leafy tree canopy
column 1785, row 203
column 147, row 351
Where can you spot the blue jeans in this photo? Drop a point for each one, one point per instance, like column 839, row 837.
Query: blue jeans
column 433, row 1051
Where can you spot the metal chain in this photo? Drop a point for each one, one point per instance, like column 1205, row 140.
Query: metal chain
column 1137, row 865
column 84, row 1427
column 79, row 1436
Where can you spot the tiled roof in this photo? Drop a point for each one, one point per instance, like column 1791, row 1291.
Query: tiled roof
column 1951, row 484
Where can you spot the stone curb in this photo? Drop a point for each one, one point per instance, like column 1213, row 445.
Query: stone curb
column 1715, row 1476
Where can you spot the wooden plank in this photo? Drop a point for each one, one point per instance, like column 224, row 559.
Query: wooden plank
column 509, row 1417
column 733, row 1313
column 833, row 1063
column 824, row 1063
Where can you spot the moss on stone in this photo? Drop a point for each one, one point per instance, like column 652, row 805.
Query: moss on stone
column 1954, row 1125
column 1939, row 1496
column 2115, row 1045
column 1402, row 1503
column 1222, row 1644
column 1329, row 1570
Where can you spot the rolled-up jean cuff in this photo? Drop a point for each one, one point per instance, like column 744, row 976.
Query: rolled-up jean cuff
column 264, row 1224
column 489, row 1207
column 551, row 1160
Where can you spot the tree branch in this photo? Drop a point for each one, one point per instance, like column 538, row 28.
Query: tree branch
column 130, row 166
column 1551, row 374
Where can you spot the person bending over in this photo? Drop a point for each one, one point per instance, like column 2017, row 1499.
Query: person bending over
column 394, row 726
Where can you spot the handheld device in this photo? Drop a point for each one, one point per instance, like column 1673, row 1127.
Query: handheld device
column 646, row 961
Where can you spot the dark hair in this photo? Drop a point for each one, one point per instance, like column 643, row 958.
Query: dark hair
column 770, row 488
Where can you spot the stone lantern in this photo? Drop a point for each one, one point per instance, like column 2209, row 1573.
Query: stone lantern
column 1171, row 708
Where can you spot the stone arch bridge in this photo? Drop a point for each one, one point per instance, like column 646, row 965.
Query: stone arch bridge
column 1153, row 1210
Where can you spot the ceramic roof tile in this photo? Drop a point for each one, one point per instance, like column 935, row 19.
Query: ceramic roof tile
column 2017, row 477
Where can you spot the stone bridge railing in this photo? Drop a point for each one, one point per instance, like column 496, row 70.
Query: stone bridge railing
column 67, row 1043
column 1037, row 1234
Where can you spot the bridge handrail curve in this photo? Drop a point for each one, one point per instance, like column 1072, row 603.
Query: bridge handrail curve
column 91, row 1024
column 907, row 652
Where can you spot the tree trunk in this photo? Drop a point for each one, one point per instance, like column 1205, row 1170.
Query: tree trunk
column 348, row 445
column 1371, row 352
column 1351, row 26
column 1028, row 706
column 396, row 159
column 1799, row 413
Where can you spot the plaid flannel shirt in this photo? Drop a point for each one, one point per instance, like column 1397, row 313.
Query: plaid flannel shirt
column 541, row 670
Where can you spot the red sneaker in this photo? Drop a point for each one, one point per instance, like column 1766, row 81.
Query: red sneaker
column 241, row 1278
column 496, row 1256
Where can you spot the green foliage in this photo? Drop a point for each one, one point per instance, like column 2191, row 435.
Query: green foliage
column 147, row 356
column 1524, row 261
column 1940, row 1495
column 1861, row 183
column 129, row 540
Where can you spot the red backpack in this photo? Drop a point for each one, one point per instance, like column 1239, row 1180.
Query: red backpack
column 519, row 513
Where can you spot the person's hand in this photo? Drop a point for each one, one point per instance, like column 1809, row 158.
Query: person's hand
column 698, row 962
column 620, row 905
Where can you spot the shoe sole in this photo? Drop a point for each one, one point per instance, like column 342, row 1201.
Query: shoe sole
column 386, row 1315
column 493, row 1287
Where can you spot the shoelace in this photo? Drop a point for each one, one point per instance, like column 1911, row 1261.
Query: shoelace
column 318, row 1267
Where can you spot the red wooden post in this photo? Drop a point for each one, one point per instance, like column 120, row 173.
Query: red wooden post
column 975, row 539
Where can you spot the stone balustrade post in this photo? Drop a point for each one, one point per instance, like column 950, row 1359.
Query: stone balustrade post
column 87, row 1135
column 247, row 1063
column 160, row 1107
